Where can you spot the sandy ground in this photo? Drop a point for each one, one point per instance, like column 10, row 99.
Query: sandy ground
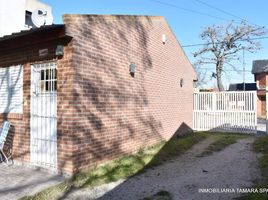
column 234, row 167
column 17, row 181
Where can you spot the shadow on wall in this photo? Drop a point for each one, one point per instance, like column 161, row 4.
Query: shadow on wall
column 111, row 105
column 21, row 148
column 166, row 153
column 8, row 143
column 11, row 84
column 183, row 129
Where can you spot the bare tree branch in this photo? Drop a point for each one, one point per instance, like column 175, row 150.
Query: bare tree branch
column 223, row 44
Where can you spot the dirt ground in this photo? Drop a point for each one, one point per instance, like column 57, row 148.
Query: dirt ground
column 220, row 173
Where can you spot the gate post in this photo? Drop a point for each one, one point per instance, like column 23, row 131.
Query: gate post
column 266, row 106
column 214, row 107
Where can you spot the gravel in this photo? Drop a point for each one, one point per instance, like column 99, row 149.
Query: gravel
column 232, row 168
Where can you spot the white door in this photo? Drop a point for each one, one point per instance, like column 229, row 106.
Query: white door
column 44, row 115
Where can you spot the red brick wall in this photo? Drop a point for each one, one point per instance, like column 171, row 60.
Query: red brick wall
column 261, row 81
column 113, row 112
column 261, row 106
column 19, row 138
column 65, row 111
column 19, row 135
column 103, row 111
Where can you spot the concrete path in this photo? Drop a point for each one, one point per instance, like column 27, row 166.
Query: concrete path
column 18, row 181
column 234, row 167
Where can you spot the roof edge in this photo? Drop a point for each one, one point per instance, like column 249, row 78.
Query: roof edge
column 113, row 16
column 30, row 31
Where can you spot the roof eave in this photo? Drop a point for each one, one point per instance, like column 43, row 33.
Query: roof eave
column 33, row 37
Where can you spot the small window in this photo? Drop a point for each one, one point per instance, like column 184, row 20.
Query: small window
column 48, row 80
column 28, row 20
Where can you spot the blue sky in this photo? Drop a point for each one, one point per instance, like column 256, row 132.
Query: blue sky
column 185, row 24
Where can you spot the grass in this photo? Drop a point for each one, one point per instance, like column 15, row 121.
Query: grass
column 260, row 145
column 161, row 195
column 123, row 167
column 175, row 147
column 222, row 140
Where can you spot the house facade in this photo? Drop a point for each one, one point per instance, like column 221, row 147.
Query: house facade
column 242, row 87
column 15, row 15
column 92, row 89
column 260, row 71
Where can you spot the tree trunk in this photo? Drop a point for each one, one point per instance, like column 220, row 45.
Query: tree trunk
column 219, row 83
column 218, row 74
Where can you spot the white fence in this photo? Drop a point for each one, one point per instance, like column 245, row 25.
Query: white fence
column 225, row 111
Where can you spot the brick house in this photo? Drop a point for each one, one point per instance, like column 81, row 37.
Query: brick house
column 70, row 96
column 242, row 87
column 260, row 71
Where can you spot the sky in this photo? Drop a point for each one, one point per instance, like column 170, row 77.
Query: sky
column 187, row 19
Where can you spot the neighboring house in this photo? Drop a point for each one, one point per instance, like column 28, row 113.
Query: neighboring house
column 71, row 99
column 260, row 71
column 15, row 15
column 240, row 87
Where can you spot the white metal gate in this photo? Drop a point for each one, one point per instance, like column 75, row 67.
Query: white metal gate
column 225, row 111
column 44, row 115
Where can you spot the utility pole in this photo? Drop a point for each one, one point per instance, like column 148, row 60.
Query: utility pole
column 244, row 84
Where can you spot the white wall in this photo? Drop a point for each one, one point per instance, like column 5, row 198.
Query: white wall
column 32, row 5
column 12, row 16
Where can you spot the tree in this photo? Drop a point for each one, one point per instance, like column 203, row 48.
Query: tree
column 223, row 44
column 201, row 75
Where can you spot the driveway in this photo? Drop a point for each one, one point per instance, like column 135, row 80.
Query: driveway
column 261, row 126
column 232, row 168
column 18, row 181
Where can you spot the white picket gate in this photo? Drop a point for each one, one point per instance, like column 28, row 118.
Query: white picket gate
column 225, row 111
